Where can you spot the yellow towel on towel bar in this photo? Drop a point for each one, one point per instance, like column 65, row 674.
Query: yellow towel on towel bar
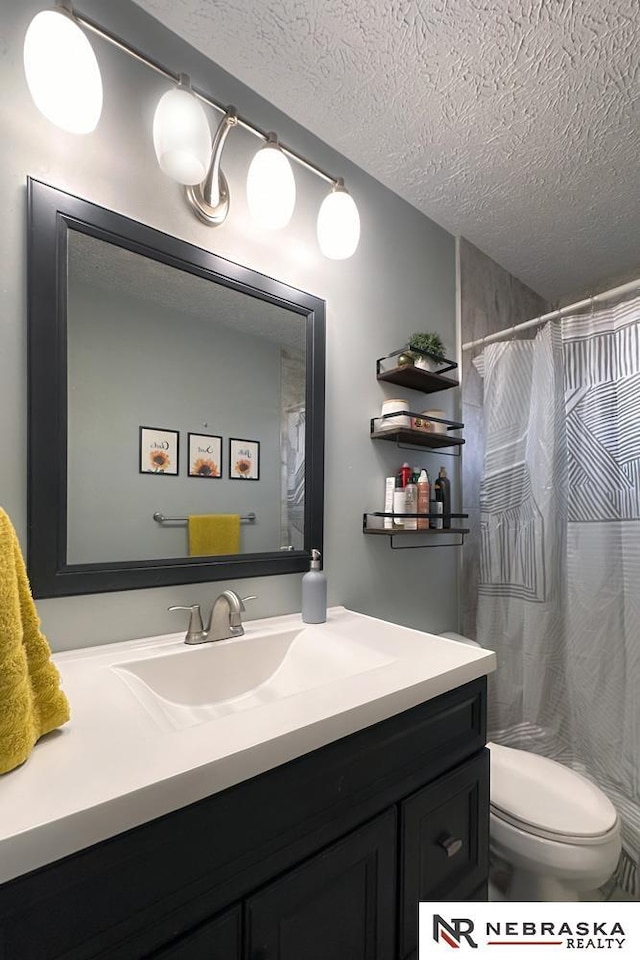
column 31, row 701
column 214, row 534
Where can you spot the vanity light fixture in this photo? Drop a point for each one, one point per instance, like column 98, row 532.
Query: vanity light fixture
column 338, row 223
column 181, row 134
column 271, row 186
column 64, row 80
column 209, row 198
column 62, row 72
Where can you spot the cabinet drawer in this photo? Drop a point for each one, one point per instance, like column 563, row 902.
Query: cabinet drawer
column 444, row 842
column 340, row 904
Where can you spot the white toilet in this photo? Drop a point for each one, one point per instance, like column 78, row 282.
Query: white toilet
column 556, row 831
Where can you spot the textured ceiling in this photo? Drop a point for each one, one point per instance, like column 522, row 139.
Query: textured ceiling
column 515, row 123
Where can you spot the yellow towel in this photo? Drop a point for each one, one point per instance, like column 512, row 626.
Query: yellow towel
column 31, row 701
column 214, row 534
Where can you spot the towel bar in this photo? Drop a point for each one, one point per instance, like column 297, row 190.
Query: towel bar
column 160, row 518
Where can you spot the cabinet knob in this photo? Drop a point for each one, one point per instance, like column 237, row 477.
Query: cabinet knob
column 451, row 845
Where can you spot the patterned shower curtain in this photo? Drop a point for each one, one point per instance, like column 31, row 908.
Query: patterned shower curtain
column 559, row 578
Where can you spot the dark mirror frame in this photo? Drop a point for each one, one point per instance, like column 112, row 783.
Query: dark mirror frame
column 51, row 214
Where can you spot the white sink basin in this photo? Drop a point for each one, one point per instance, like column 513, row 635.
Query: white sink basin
column 161, row 725
column 198, row 683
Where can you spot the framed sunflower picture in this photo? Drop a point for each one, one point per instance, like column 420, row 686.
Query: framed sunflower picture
column 244, row 459
column 205, row 456
column 159, row 451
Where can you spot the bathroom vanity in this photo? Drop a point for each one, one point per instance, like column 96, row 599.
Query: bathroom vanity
column 251, row 834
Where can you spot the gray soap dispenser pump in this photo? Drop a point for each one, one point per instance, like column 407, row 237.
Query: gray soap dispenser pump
column 314, row 592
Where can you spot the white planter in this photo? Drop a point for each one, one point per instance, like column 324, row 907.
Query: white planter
column 425, row 363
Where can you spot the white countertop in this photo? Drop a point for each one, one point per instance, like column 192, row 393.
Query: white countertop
column 113, row 766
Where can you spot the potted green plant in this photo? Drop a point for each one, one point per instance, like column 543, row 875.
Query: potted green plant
column 430, row 343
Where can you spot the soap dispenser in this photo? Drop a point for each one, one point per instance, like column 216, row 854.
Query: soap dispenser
column 314, row 592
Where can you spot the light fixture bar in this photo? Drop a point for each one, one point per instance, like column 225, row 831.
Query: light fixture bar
column 174, row 77
column 133, row 52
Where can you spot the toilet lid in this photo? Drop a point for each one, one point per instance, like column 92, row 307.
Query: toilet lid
column 547, row 796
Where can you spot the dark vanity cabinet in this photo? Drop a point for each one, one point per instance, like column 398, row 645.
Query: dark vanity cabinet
column 338, row 904
column 324, row 856
column 217, row 939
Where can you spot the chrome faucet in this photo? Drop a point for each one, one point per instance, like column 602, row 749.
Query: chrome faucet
column 226, row 616
column 225, row 620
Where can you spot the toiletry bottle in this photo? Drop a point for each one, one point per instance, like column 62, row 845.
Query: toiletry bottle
column 423, row 499
column 389, row 487
column 405, row 473
column 399, row 502
column 442, row 484
column 411, row 504
column 314, row 592
column 435, row 507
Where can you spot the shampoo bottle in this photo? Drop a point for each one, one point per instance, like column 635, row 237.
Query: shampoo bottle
column 423, row 499
column 399, row 502
column 411, row 504
column 314, row 592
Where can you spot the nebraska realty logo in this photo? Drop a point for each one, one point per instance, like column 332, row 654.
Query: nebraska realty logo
column 504, row 928
column 453, row 931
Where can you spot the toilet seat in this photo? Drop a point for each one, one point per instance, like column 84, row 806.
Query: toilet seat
column 546, row 799
column 572, row 839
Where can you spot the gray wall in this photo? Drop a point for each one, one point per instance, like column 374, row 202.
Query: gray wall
column 491, row 299
column 402, row 278
column 132, row 364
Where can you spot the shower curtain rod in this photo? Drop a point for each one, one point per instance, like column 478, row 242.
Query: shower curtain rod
column 555, row 314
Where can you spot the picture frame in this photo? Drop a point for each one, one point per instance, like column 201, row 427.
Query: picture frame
column 159, row 451
column 205, row 456
column 244, row 459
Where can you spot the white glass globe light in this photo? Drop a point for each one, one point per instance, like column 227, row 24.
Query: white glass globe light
column 271, row 186
column 338, row 224
column 181, row 136
column 62, row 72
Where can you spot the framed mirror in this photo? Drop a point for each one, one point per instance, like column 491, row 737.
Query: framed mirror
column 176, row 408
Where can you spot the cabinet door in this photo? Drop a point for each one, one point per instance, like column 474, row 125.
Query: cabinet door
column 339, row 905
column 444, row 842
column 219, row 939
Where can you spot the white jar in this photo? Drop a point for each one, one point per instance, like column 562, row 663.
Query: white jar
column 394, row 406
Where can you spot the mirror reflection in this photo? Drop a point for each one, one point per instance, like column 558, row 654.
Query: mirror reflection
column 185, row 400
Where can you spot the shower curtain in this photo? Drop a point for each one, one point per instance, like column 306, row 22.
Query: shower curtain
column 559, row 572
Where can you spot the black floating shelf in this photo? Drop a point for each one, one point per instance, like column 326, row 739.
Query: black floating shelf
column 408, row 375
column 380, row 516
column 399, row 532
column 418, row 438
column 417, row 379
column 377, row 530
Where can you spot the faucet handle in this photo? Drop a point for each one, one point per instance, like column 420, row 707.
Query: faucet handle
column 236, row 617
column 195, row 631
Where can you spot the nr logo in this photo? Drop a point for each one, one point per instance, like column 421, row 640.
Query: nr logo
column 454, row 931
